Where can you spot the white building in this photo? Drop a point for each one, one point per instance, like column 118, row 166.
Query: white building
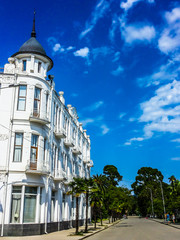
column 42, row 147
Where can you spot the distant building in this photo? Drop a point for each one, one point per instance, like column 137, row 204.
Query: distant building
column 42, row 147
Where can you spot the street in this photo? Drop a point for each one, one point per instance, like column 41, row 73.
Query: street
column 134, row 228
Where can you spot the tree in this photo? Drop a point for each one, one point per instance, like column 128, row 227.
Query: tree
column 77, row 189
column 147, row 182
column 112, row 174
column 87, row 189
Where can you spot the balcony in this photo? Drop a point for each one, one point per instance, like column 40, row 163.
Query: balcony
column 76, row 150
column 37, row 167
column 90, row 164
column 68, row 142
column 59, row 175
column 61, row 133
column 39, row 117
column 86, row 160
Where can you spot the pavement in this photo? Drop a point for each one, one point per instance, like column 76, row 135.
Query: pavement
column 66, row 234
column 133, row 227
column 175, row 225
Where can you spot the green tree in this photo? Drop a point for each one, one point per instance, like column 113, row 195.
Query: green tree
column 147, row 181
column 111, row 172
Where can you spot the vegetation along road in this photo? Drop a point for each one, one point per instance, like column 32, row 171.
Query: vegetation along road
column 134, row 228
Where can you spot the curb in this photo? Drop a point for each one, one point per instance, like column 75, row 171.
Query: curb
column 165, row 224
column 101, row 230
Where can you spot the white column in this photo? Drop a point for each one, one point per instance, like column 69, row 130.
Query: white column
column 22, row 204
column 37, row 220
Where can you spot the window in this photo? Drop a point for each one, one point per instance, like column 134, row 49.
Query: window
column 72, row 207
column 37, row 98
column 22, row 98
column 52, row 206
column 34, row 152
column 18, row 145
column 16, row 204
column 63, row 205
column 24, row 65
column 44, row 154
column 30, row 204
column 39, row 67
column 47, row 97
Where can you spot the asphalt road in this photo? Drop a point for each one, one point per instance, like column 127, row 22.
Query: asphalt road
column 134, row 228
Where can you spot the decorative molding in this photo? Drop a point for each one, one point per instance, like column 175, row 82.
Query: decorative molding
column 3, row 137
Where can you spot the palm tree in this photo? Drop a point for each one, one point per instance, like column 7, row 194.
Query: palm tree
column 87, row 189
column 76, row 190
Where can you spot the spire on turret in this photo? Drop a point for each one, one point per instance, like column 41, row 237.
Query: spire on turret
column 33, row 33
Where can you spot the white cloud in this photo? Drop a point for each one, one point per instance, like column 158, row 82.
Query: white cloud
column 173, row 16
column 169, row 40
column 175, row 159
column 135, row 33
column 121, row 115
column 101, row 51
column 56, row 47
column 87, row 121
column 105, row 129
column 118, row 71
column 83, row 52
column 162, row 113
column 70, row 48
column 116, row 57
column 166, row 72
column 129, row 3
column 134, row 139
column 94, row 106
column 100, row 10
column 176, row 140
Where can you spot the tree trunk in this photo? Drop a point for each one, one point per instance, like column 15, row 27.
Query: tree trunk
column 86, row 225
column 94, row 217
column 77, row 215
column 101, row 217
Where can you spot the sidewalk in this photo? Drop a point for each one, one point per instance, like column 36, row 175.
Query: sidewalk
column 66, row 234
column 175, row 225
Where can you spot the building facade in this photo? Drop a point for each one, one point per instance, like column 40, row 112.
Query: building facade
column 42, row 147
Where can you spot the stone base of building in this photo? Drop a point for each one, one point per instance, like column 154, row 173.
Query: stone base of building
column 37, row 228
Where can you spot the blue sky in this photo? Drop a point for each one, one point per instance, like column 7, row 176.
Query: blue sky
column 118, row 63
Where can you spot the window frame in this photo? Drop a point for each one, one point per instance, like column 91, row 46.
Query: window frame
column 24, row 65
column 39, row 66
column 18, row 145
column 36, row 113
column 21, row 97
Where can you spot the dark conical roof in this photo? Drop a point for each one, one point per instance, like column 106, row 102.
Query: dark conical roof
column 32, row 46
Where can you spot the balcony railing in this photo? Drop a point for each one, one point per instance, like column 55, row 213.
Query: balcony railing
column 69, row 142
column 37, row 167
column 86, row 160
column 77, row 151
column 60, row 133
column 39, row 117
column 90, row 164
column 59, row 175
